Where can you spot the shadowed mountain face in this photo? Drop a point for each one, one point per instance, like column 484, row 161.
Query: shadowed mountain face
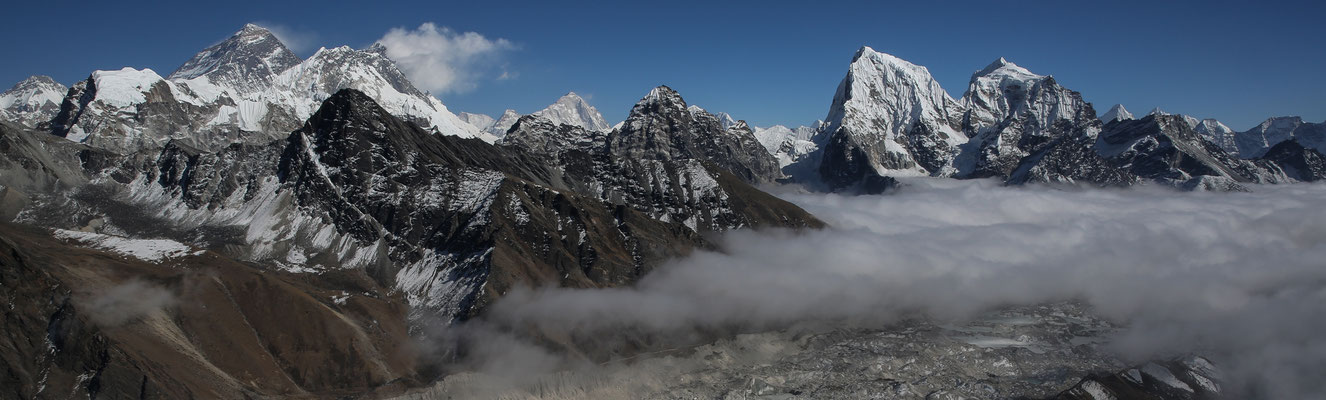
column 357, row 208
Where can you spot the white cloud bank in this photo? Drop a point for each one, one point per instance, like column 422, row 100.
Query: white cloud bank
column 1239, row 277
column 441, row 60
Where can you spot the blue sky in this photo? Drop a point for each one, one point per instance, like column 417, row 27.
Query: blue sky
column 767, row 62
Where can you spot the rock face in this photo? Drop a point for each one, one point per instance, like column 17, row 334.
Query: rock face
column 889, row 117
column 573, row 110
column 1156, row 148
column 1255, row 142
column 1298, row 162
column 1012, row 113
column 246, row 89
column 1191, row 377
column 1219, row 134
column 33, row 101
column 662, row 128
column 1166, row 148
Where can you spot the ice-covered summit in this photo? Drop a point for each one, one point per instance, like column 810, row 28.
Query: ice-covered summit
column 571, row 109
column 246, row 63
column 885, row 111
column 32, row 101
column 1116, row 113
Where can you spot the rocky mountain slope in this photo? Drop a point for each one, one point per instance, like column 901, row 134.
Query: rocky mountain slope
column 429, row 227
column 120, row 323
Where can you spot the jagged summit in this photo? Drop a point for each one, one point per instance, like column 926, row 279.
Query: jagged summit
column 33, row 100
column 661, row 126
column 1010, row 113
column 246, row 62
column 1116, row 113
column 571, row 109
column 1190, row 120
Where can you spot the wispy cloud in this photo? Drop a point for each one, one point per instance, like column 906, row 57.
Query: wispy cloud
column 127, row 302
column 300, row 41
column 441, row 60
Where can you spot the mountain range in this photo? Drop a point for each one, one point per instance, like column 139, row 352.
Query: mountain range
column 333, row 187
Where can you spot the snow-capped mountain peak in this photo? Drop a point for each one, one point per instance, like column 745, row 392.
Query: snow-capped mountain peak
column 1003, row 67
column 892, row 89
column 1218, row 133
column 1257, row 141
column 884, row 109
column 330, row 70
column 1116, row 113
column 246, row 62
column 33, row 100
column 504, row 123
column 571, row 109
column 725, row 119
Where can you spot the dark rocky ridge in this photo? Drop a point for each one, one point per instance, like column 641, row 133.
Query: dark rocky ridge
column 660, row 127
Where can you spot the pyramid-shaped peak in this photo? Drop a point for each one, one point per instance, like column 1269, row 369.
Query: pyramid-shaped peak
column 570, row 109
column 246, row 60
column 570, row 98
column 1004, row 67
column 1118, row 112
column 252, row 28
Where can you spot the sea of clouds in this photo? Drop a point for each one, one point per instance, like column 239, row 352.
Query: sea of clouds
column 1237, row 277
